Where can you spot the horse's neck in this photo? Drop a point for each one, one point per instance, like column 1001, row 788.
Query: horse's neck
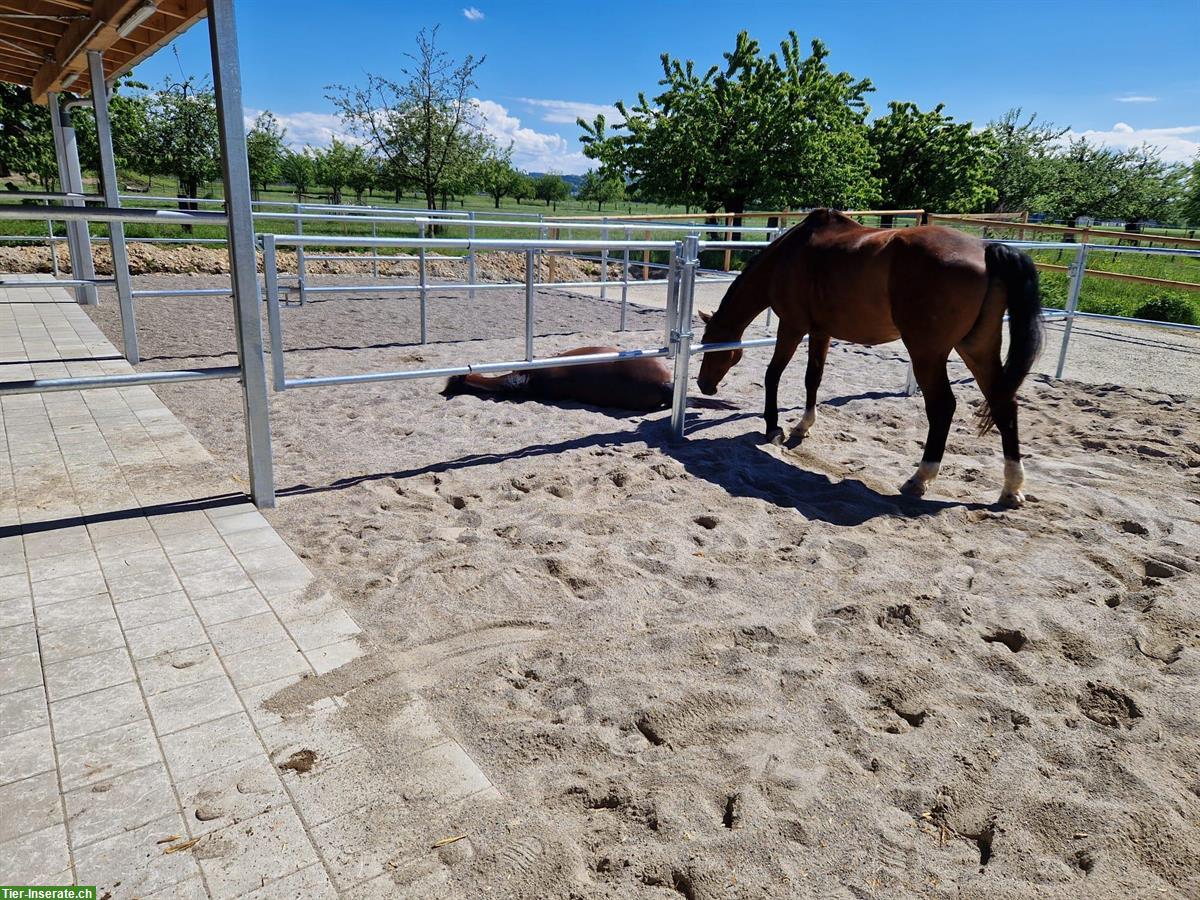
column 749, row 303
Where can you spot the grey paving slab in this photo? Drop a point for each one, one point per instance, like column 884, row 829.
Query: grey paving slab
column 23, row 670
column 96, row 711
column 176, row 668
column 227, row 607
column 245, row 856
column 23, row 710
column 211, row 746
column 119, row 804
column 106, row 754
column 35, row 858
column 84, row 674
column 16, row 640
column 231, row 794
column 165, row 637
column 263, row 664
column 26, row 753
column 193, row 704
column 75, row 613
column 133, row 863
column 38, row 802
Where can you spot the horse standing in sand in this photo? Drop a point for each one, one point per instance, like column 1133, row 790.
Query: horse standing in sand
column 934, row 288
column 637, row 384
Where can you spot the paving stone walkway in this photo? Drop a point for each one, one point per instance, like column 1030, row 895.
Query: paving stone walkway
column 147, row 611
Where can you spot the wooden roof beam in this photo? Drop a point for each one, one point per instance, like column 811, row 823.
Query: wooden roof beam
column 69, row 57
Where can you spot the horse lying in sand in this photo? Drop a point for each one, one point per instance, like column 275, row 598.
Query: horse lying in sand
column 643, row 385
column 934, row 288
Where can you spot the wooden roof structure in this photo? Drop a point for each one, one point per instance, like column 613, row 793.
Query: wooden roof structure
column 44, row 43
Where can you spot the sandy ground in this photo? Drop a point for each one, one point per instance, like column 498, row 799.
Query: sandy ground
column 724, row 669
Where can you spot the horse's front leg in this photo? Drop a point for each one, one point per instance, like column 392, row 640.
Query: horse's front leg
column 818, row 350
column 786, row 342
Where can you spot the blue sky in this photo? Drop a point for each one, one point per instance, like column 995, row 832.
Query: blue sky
column 1119, row 72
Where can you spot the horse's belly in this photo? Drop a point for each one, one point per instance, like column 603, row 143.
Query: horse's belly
column 860, row 322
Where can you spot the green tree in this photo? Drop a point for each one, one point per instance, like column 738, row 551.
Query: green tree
column 265, row 149
column 600, row 187
column 928, row 161
column 1087, row 179
column 333, row 166
column 26, row 143
column 497, row 176
column 776, row 130
column 418, row 125
column 184, row 136
column 1189, row 207
column 297, row 170
column 364, row 173
column 523, row 187
column 1024, row 150
column 552, row 188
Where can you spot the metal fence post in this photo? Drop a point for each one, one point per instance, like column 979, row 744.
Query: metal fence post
column 424, row 287
column 53, row 248
column 681, row 337
column 300, row 276
column 471, row 255
column 271, row 283
column 604, row 260
column 79, row 241
column 672, row 297
column 529, row 257
column 1075, row 285
column 116, row 230
column 227, row 85
column 625, row 285
column 374, row 251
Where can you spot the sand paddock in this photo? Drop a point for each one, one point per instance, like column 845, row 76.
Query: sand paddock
column 725, row 669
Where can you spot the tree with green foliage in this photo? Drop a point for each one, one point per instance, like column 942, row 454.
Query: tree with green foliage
column 552, row 188
column 1087, row 179
column 497, row 176
column 333, row 166
column 364, row 173
column 265, row 149
column 418, row 125
column 775, row 130
column 600, row 186
column 184, row 135
column 523, row 187
column 464, row 172
column 297, row 170
column 26, row 142
column 1189, row 207
column 1023, row 153
column 928, row 161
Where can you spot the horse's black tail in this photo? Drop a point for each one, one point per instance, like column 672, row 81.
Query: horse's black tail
column 1016, row 271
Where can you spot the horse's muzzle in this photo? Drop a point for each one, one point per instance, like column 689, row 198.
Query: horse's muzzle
column 707, row 389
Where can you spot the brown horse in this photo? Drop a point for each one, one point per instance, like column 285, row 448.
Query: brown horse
column 642, row 384
column 934, row 288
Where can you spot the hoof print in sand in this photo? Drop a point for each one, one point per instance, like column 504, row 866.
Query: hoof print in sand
column 1109, row 707
column 1014, row 639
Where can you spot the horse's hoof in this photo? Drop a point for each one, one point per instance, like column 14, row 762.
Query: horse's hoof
column 914, row 487
column 775, row 436
column 1011, row 499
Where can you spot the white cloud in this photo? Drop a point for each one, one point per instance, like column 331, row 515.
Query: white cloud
column 534, row 151
column 1178, row 144
column 567, row 111
column 1136, row 98
column 309, row 128
column 473, row 14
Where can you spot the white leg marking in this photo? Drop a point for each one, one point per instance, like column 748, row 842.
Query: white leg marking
column 800, row 432
column 1014, row 480
column 515, row 380
column 915, row 486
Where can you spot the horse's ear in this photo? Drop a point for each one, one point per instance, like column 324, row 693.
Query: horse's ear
column 705, row 317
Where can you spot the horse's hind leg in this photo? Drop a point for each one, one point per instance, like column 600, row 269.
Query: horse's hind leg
column 939, row 409
column 818, row 350
column 786, row 342
column 985, row 364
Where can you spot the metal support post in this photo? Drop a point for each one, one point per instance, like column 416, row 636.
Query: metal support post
column 681, row 337
column 604, row 261
column 673, row 297
column 271, row 283
column 116, row 230
column 53, row 249
column 529, row 263
column 625, row 285
column 79, row 241
column 424, row 289
column 227, row 84
column 300, row 276
column 1078, row 268
column 471, row 255
column 374, row 252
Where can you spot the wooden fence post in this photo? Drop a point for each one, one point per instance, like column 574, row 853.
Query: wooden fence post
column 728, row 237
column 553, row 256
column 646, row 260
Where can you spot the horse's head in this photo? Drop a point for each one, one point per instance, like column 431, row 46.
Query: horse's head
column 717, row 364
